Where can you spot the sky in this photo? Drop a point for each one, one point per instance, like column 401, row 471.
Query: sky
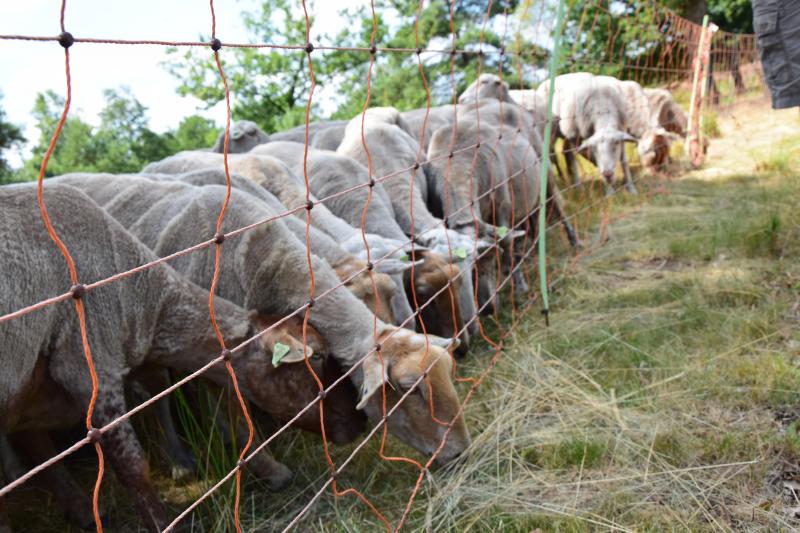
column 27, row 68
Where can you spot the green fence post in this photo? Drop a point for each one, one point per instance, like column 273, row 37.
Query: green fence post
column 545, row 163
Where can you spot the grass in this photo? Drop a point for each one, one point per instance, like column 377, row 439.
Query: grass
column 663, row 397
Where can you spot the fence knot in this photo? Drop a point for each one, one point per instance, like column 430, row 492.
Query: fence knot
column 371, row 182
column 373, row 49
column 322, row 394
column 94, row 435
column 66, row 39
column 370, row 265
column 309, row 48
column 226, row 354
column 77, row 291
column 310, row 303
column 216, row 44
column 309, row 205
column 219, row 238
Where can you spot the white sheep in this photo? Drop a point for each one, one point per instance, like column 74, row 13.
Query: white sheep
column 590, row 113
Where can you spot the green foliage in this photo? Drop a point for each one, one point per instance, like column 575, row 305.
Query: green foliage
column 123, row 142
column 732, row 15
column 10, row 136
column 271, row 87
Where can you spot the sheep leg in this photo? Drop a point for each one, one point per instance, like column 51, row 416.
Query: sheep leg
column 572, row 162
column 183, row 463
column 626, row 169
column 123, row 451
column 263, row 464
column 34, row 447
column 556, row 210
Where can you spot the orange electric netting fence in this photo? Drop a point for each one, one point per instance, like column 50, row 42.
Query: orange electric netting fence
column 480, row 151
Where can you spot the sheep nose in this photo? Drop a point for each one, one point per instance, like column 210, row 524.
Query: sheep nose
column 608, row 175
column 463, row 347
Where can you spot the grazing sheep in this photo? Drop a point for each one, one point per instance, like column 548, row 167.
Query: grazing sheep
column 388, row 273
column 392, row 151
column 330, row 173
column 672, row 123
column 278, row 180
column 591, row 116
column 654, row 140
column 486, row 86
column 244, row 136
column 275, row 279
column 46, row 384
column 514, row 127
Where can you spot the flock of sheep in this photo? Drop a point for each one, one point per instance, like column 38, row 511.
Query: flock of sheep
column 473, row 199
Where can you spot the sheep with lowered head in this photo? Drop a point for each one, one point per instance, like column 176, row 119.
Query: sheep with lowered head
column 130, row 322
column 267, row 268
column 591, row 119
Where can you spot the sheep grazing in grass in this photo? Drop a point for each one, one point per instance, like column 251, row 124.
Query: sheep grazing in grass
column 244, row 135
column 515, row 129
column 279, row 181
column 654, row 140
column 671, row 121
column 486, row 86
column 267, row 268
column 392, row 151
column 129, row 323
column 387, row 275
column 330, row 173
column 591, row 119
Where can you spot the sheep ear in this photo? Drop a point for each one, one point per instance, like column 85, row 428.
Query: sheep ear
column 484, row 245
column 627, row 137
column 294, row 355
column 237, row 134
column 444, row 343
column 374, row 378
column 393, row 266
column 591, row 142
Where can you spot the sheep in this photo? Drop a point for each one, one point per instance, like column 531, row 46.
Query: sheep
column 244, row 135
column 279, row 180
column 513, row 125
column 391, row 151
column 388, row 274
column 298, row 133
column 275, row 279
column 534, row 104
column 591, row 117
column 431, row 120
column 330, row 173
column 50, row 389
column 671, row 121
column 486, row 86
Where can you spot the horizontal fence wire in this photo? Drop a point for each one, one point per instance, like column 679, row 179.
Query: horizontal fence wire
column 672, row 42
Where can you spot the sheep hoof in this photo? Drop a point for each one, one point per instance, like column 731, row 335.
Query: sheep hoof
column 277, row 475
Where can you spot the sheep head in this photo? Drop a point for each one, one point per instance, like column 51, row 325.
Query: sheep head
column 605, row 149
column 422, row 417
column 284, row 390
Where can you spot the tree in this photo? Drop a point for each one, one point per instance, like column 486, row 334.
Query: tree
column 268, row 85
column 10, row 137
column 123, row 142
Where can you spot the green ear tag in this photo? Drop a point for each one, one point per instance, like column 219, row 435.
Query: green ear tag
column 461, row 253
column 279, row 352
column 502, row 231
column 404, row 258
